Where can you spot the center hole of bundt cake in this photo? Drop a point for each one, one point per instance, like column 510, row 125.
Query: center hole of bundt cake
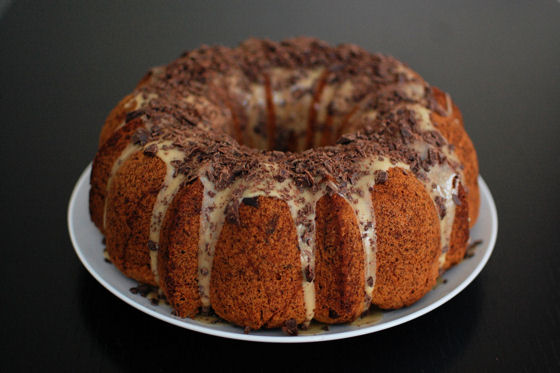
column 292, row 136
column 291, row 116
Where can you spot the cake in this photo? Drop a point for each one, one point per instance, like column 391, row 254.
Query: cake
column 279, row 182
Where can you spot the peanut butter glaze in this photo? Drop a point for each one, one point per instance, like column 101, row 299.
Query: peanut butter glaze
column 207, row 117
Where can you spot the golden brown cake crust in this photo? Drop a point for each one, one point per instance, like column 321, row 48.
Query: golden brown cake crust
column 408, row 243
column 132, row 196
column 103, row 163
column 339, row 266
column 256, row 276
column 178, row 251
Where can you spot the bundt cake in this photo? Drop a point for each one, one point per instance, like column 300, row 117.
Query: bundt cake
column 280, row 182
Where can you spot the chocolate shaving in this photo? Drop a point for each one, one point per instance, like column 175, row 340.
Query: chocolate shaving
column 309, row 274
column 279, row 178
column 475, row 244
column 251, row 201
column 143, row 289
column 380, row 176
column 333, row 314
column 440, row 203
column 140, row 137
column 151, row 150
column 152, row 246
column 133, row 115
column 471, row 248
column 406, row 135
column 290, row 327
column 232, row 212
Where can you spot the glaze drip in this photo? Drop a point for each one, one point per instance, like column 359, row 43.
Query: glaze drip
column 171, row 184
column 212, row 218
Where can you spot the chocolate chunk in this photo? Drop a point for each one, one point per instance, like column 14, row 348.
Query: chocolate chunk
column 144, row 289
column 370, row 281
column 251, row 201
column 440, row 203
column 140, row 137
column 290, row 327
column 152, row 246
column 333, row 314
column 406, row 135
column 469, row 253
column 474, row 244
column 133, row 114
column 346, row 139
column 279, row 178
column 154, row 301
column 380, row 177
column 431, row 159
column 455, row 180
column 309, row 275
column 151, row 150
column 232, row 212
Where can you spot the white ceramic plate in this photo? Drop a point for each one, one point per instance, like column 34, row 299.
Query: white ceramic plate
column 87, row 241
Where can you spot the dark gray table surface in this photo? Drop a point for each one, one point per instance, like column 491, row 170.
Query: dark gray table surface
column 64, row 65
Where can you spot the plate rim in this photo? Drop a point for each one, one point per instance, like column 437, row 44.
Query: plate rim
column 72, row 205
